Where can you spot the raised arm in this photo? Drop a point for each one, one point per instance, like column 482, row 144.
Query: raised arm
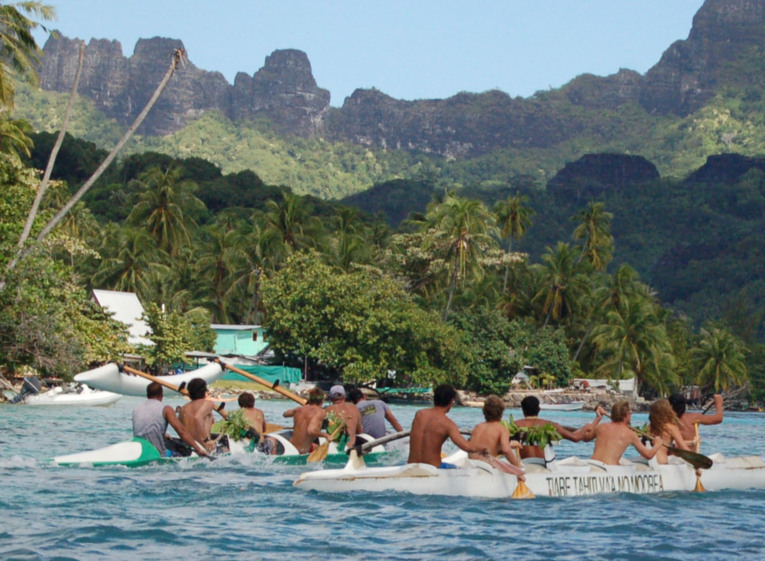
column 710, row 419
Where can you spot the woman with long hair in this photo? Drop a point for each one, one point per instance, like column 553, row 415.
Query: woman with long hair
column 664, row 423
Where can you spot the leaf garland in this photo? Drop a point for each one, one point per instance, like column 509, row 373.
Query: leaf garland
column 540, row 435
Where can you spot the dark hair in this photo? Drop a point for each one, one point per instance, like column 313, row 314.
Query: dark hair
column 355, row 395
column 677, row 401
column 620, row 410
column 530, row 406
column 493, row 408
column 315, row 396
column 443, row 395
column 197, row 388
column 246, row 399
column 154, row 389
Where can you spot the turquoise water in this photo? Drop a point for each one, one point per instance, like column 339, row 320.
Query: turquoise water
column 246, row 508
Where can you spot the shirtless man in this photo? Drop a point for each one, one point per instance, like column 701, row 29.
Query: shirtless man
column 495, row 437
column 307, row 421
column 197, row 415
column 688, row 420
column 612, row 439
column 254, row 416
column 346, row 411
column 431, row 427
column 530, row 407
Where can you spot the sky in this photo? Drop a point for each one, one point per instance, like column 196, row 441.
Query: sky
column 408, row 49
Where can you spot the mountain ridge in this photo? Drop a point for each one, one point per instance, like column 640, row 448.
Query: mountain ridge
column 285, row 92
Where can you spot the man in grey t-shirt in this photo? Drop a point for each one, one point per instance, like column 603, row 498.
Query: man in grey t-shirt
column 374, row 412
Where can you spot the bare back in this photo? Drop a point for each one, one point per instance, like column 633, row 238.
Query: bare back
column 197, row 417
column 430, row 429
column 612, row 439
column 495, row 438
column 533, row 451
column 256, row 419
column 307, row 426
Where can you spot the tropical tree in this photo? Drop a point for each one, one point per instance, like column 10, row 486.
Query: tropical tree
column 513, row 219
column 594, row 230
column 634, row 343
column 222, row 253
column 291, row 221
column 467, row 227
column 719, row 358
column 165, row 206
column 562, row 283
column 19, row 53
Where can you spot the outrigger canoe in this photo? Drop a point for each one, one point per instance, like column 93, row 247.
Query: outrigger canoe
column 110, row 378
column 139, row 452
column 567, row 477
column 84, row 396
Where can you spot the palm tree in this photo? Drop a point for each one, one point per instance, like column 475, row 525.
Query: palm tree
column 719, row 359
column 513, row 219
column 634, row 343
column 467, row 226
column 164, row 207
column 595, row 230
column 223, row 252
column 291, row 222
column 19, row 53
column 131, row 265
column 562, row 283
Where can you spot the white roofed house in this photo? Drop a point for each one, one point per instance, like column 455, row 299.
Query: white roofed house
column 126, row 308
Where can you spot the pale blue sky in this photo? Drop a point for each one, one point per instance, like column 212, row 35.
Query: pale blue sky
column 408, row 49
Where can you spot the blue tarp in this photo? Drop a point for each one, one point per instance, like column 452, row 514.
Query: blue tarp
column 285, row 374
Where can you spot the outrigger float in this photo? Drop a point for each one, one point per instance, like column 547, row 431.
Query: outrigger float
column 138, row 452
column 569, row 477
column 123, row 380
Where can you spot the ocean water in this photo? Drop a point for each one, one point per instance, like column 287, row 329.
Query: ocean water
column 246, row 508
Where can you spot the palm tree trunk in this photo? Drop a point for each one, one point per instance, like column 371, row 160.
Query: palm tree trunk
column 452, row 285
column 178, row 56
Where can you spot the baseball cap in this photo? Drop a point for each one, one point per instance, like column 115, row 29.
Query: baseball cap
column 336, row 392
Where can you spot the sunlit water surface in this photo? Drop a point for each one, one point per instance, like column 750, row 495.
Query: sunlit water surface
column 246, row 508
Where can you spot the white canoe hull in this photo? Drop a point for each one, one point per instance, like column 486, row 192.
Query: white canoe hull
column 568, row 477
column 109, row 378
column 86, row 397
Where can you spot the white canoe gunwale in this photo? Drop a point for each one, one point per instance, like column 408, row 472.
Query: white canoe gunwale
column 110, row 378
column 87, row 396
column 567, row 477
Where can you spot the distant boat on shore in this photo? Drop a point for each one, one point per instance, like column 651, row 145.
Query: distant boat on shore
column 573, row 406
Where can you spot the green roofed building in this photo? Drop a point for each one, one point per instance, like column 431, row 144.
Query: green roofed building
column 248, row 346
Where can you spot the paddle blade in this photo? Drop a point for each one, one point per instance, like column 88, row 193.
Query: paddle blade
column 320, row 454
column 699, row 461
column 522, row 491
column 699, row 487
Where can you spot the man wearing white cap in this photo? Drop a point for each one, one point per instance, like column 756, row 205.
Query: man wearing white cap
column 347, row 411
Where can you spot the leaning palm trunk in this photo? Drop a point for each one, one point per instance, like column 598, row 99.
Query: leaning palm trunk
column 178, row 56
column 52, row 158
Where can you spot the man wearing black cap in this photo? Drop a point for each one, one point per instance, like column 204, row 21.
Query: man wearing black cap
column 346, row 411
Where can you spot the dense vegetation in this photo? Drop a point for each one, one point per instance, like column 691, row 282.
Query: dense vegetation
column 444, row 295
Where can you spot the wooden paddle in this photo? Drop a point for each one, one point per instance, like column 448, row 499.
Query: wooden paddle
column 168, row 385
column 321, row 452
column 699, row 487
column 274, row 386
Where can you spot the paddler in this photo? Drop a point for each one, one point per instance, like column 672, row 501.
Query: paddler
column 687, row 421
column 197, row 415
column 348, row 412
column 431, row 427
column 495, row 437
column 150, row 420
column 530, row 408
column 664, row 423
column 254, row 416
column 612, row 439
column 307, row 422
